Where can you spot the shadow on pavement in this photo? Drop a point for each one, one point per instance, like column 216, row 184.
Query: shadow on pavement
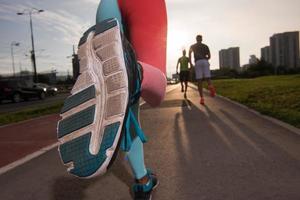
column 167, row 104
column 69, row 187
column 264, row 140
column 220, row 157
column 201, row 145
column 119, row 169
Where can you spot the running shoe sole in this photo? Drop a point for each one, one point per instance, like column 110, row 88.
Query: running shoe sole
column 93, row 116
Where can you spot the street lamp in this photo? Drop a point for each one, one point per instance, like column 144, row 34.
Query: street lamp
column 30, row 12
column 12, row 44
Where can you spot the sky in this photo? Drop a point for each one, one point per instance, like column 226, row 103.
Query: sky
column 223, row 24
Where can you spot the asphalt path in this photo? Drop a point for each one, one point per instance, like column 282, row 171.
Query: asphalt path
column 217, row 151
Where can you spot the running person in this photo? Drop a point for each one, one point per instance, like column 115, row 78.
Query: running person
column 184, row 71
column 202, row 71
column 114, row 74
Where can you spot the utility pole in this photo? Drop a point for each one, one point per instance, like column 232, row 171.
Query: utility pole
column 12, row 55
column 30, row 12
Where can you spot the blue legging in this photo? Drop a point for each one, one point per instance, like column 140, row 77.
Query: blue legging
column 110, row 9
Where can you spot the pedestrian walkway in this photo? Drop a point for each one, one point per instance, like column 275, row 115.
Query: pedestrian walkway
column 217, row 151
column 30, row 138
column 21, row 139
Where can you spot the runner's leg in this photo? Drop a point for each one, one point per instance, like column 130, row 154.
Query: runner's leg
column 136, row 153
column 110, row 9
column 181, row 81
column 200, row 88
column 146, row 29
column 207, row 76
column 153, row 85
column 147, row 22
column 186, row 81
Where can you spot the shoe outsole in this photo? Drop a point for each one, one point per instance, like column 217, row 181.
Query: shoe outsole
column 79, row 98
column 76, row 121
column 93, row 116
column 85, row 162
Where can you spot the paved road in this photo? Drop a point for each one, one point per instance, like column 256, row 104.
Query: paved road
column 21, row 139
column 219, row 151
column 15, row 107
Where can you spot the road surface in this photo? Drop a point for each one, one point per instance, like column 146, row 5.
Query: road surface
column 217, row 151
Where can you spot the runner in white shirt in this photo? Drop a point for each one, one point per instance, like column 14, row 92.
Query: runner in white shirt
column 201, row 55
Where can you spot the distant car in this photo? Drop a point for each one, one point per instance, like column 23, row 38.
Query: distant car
column 19, row 90
column 172, row 81
column 50, row 90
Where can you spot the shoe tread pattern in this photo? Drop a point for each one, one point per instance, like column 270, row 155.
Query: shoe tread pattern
column 76, row 151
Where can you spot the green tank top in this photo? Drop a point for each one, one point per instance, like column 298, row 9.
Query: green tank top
column 184, row 63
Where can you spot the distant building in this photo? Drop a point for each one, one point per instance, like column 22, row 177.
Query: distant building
column 266, row 54
column 230, row 58
column 285, row 49
column 253, row 60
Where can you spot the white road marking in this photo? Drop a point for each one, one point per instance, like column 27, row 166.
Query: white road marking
column 27, row 158
column 50, row 147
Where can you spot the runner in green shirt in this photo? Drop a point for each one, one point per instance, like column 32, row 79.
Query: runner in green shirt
column 184, row 71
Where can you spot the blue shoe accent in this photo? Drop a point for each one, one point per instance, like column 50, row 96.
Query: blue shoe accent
column 85, row 35
column 144, row 191
column 143, row 187
column 77, row 151
column 79, row 98
column 105, row 25
column 76, row 121
column 135, row 79
column 127, row 137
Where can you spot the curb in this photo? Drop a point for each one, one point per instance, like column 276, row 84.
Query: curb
column 271, row 119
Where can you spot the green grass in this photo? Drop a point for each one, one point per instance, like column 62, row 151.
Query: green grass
column 276, row 96
column 30, row 113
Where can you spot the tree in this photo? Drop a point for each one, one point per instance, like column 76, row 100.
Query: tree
column 261, row 68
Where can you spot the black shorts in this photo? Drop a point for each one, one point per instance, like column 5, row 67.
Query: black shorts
column 184, row 76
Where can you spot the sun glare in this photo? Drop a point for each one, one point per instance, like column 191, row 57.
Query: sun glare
column 177, row 41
